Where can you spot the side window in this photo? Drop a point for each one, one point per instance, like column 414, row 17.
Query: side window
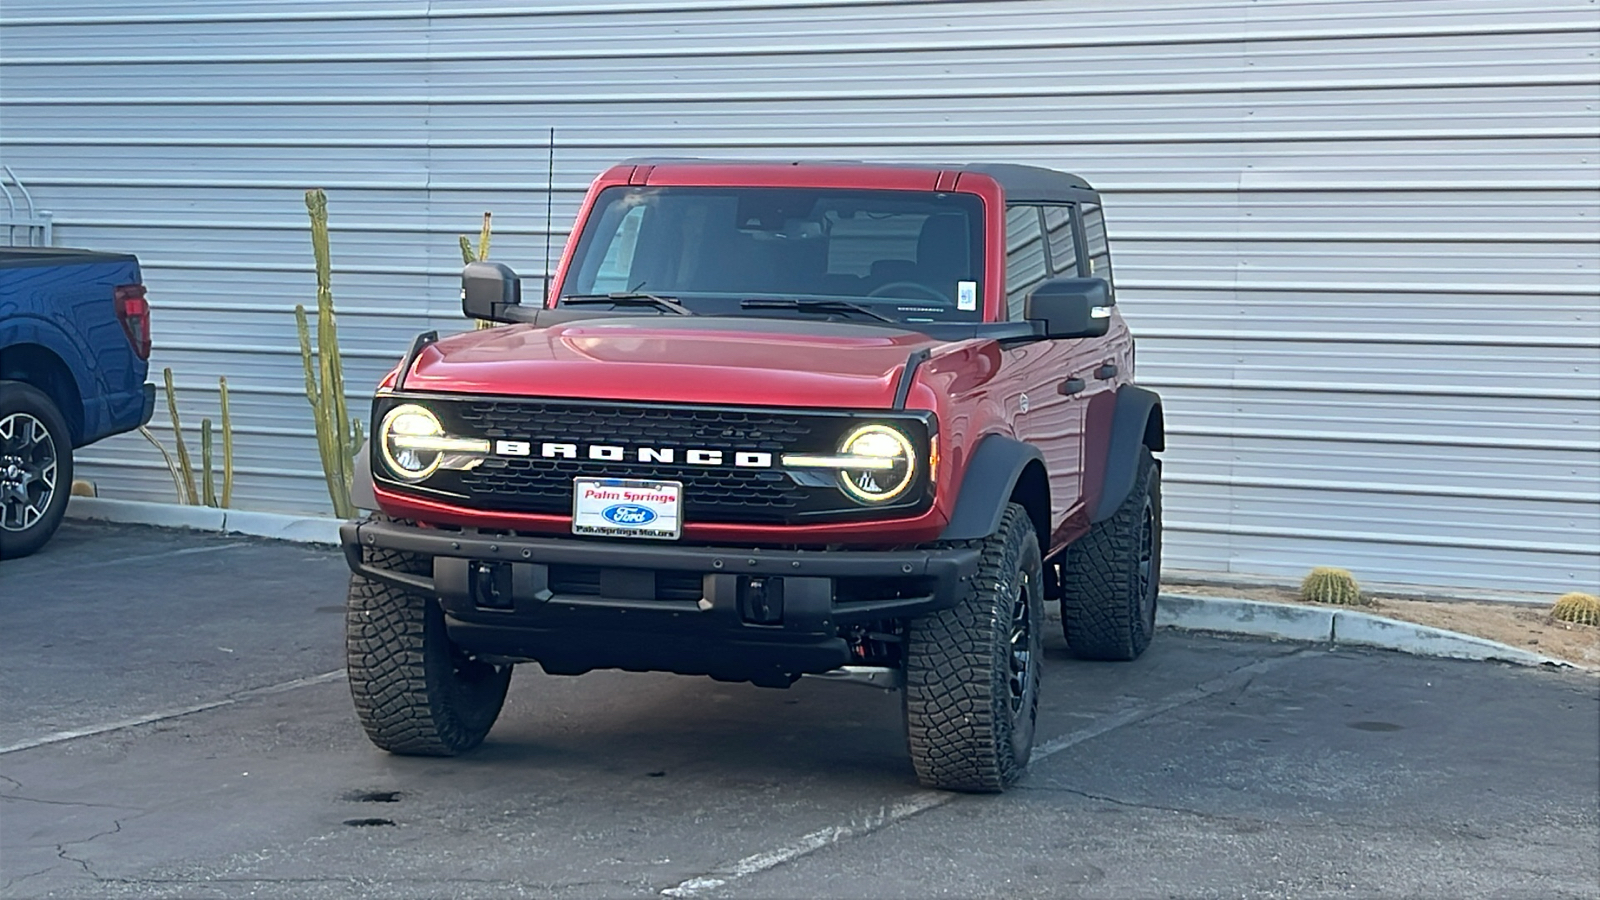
column 1025, row 259
column 1094, row 235
column 616, row 268
column 1063, row 241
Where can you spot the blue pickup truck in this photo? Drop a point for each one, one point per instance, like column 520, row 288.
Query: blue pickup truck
column 74, row 353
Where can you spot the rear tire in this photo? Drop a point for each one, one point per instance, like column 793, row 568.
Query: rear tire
column 972, row 671
column 1111, row 576
column 35, row 468
column 415, row 692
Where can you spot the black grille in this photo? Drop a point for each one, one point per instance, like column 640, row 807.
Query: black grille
column 711, row 493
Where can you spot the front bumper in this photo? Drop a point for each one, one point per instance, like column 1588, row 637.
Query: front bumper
column 733, row 613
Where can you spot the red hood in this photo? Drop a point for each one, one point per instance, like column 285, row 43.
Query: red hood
column 755, row 362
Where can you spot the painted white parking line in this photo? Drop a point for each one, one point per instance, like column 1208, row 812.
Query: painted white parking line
column 926, row 800
column 172, row 713
column 143, row 557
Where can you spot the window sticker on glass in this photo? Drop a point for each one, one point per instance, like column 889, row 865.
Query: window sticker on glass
column 966, row 295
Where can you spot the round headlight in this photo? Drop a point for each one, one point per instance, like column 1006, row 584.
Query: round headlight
column 405, row 436
column 888, row 464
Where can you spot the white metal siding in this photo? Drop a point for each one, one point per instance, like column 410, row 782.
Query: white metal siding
column 1357, row 239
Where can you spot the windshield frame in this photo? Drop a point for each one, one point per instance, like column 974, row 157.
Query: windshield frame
column 909, row 310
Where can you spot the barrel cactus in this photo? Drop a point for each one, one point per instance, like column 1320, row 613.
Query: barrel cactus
column 1578, row 607
column 1329, row 585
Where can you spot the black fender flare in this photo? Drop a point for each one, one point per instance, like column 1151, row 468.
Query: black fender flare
column 1137, row 421
column 991, row 474
column 361, row 493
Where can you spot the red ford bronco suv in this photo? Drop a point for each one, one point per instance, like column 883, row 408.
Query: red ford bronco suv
column 770, row 420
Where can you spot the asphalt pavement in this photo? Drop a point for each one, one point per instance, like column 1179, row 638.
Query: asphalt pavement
column 174, row 723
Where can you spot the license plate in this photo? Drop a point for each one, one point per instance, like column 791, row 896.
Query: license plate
column 618, row 507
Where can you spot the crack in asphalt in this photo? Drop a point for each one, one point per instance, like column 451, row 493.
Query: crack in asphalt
column 67, row 803
column 61, row 849
column 22, row 878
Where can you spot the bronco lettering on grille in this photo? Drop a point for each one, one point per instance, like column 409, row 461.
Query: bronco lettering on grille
column 744, row 459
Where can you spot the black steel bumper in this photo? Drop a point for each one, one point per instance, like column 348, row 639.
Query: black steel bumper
column 738, row 614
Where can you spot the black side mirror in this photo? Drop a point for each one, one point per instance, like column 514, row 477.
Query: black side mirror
column 1071, row 307
column 488, row 290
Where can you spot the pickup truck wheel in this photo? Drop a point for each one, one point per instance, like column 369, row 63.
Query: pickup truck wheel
column 415, row 692
column 1111, row 576
column 972, row 671
column 35, row 468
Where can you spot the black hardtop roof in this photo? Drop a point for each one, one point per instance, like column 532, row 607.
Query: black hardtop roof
column 1021, row 183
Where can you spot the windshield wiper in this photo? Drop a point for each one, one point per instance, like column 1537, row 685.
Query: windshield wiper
column 817, row 306
column 628, row 298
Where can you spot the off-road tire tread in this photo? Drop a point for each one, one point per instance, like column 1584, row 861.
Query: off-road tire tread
column 957, row 700
column 19, row 396
column 1096, row 615
column 386, row 630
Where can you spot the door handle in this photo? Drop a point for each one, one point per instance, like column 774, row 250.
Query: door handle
column 1109, row 370
column 1071, row 386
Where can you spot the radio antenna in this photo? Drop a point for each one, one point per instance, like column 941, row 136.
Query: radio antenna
column 549, row 204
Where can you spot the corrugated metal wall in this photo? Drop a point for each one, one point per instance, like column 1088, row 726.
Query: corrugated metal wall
column 1358, row 239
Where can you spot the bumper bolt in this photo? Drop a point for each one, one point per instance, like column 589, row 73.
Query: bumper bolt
column 795, row 564
column 455, row 545
column 527, row 554
column 906, row 568
column 716, row 564
column 494, row 548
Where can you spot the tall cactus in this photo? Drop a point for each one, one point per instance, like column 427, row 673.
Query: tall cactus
column 337, row 433
column 190, row 494
column 227, row 445
column 208, row 484
column 172, row 467
column 183, row 481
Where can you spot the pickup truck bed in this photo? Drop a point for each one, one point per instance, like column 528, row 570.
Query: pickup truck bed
column 74, row 351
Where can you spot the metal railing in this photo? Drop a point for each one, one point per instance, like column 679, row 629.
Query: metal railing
column 25, row 225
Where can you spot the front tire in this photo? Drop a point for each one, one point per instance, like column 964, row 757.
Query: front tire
column 972, row 671
column 1111, row 576
column 415, row 692
column 35, row 468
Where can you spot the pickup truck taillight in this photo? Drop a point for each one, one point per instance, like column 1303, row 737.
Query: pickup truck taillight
column 133, row 311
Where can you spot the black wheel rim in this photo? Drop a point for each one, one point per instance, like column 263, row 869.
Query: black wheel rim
column 1147, row 562
column 28, row 468
column 1021, row 676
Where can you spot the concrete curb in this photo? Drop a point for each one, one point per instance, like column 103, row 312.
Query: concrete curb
column 1282, row 621
column 301, row 529
column 1288, row 621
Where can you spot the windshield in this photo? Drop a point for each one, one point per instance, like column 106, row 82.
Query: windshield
column 907, row 256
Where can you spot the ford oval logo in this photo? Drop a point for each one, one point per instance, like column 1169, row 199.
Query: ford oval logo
column 628, row 514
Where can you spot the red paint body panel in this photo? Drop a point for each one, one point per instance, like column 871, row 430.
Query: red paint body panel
column 643, row 359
